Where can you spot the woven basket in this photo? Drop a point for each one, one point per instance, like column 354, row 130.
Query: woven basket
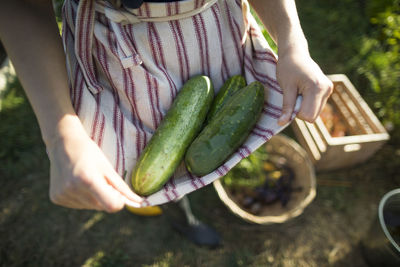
column 298, row 160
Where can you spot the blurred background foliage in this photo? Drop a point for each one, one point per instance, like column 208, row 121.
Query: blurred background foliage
column 360, row 39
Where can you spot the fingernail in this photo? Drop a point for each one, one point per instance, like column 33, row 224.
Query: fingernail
column 283, row 119
column 131, row 203
column 135, row 197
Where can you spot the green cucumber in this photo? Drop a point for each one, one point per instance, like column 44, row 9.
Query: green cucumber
column 230, row 87
column 227, row 130
column 170, row 141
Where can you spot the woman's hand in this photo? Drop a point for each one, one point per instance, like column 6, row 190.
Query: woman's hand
column 81, row 177
column 297, row 74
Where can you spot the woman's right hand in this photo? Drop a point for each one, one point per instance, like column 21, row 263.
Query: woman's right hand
column 81, row 177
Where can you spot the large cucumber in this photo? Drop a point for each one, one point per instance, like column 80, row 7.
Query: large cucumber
column 177, row 130
column 231, row 86
column 226, row 131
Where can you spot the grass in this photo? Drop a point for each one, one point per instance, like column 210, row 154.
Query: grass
column 34, row 232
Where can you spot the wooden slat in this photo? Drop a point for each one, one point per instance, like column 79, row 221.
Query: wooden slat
column 365, row 110
column 347, row 116
column 356, row 114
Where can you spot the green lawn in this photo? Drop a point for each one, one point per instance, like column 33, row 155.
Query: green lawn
column 34, row 232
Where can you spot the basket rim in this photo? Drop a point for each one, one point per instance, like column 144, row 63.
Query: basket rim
column 292, row 213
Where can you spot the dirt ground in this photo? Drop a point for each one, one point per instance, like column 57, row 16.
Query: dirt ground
column 34, row 232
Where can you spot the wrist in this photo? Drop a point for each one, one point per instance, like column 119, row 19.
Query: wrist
column 292, row 44
column 67, row 128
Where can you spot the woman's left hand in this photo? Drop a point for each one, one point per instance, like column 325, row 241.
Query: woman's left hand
column 297, row 73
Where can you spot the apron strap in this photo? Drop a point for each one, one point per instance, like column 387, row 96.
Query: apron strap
column 84, row 26
column 125, row 17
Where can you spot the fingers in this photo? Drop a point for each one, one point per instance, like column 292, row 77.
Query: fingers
column 109, row 198
column 314, row 98
column 289, row 101
column 119, row 184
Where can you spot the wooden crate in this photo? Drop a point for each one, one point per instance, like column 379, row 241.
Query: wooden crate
column 364, row 133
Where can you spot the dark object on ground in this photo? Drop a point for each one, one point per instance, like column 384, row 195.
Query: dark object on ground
column 381, row 246
column 183, row 220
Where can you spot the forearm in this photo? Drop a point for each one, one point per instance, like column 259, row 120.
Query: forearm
column 281, row 21
column 30, row 35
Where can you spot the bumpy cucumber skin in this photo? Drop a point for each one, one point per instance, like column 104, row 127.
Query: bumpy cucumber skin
column 230, row 87
column 177, row 130
column 227, row 131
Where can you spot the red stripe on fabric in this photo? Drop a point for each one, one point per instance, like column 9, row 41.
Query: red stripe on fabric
column 196, row 181
column 162, row 65
column 225, row 168
column 241, row 153
column 238, row 2
column 185, row 54
column 196, row 4
column 204, row 32
column 87, row 48
column 133, row 98
column 146, row 5
column 172, row 25
column 95, row 124
column 246, row 148
column 128, row 42
column 271, row 114
column 177, row 7
column 96, row 119
column 102, row 126
column 272, row 80
column 264, row 137
column 237, row 28
column 168, row 8
column 167, row 196
column 265, row 130
column 194, row 184
column 237, row 42
column 150, row 94
column 273, row 62
column 272, row 106
column 127, row 90
column 201, row 182
column 117, row 117
column 140, row 11
column 154, row 82
column 193, row 180
column 157, row 97
column 222, row 170
column 262, row 78
column 264, row 52
column 80, row 93
column 156, row 48
column 146, row 201
column 199, row 41
column 122, row 134
column 137, row 118
column 133, row 102
column 130, row 91
column 225, row 73
column 171, row 183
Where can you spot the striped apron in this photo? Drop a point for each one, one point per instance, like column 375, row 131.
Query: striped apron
column 125, row 68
